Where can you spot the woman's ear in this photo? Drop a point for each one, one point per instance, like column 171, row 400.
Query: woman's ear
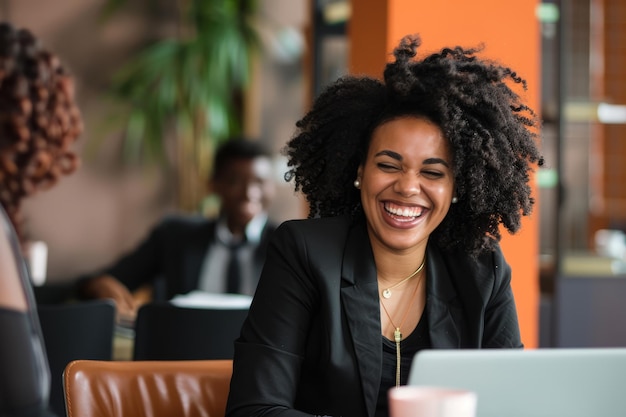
column 357, row 181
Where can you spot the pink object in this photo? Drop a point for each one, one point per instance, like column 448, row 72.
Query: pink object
column 425, row 401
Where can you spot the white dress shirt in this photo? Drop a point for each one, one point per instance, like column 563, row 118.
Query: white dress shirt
column 213, row 271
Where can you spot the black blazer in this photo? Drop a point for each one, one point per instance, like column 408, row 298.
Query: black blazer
column 312, row 340
column 174, row 252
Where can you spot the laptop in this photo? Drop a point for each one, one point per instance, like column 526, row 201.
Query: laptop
column 549, row 382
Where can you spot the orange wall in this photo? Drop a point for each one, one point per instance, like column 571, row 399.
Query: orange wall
column 510, row 32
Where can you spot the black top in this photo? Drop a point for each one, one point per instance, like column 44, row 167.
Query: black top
column 25, row 376
column 417, row 340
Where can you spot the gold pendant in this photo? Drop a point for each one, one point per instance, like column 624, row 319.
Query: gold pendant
column 397, row 335
column 386, row 293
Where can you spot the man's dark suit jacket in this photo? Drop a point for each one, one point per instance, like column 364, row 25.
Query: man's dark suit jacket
column 174, row 252
column 312, row 342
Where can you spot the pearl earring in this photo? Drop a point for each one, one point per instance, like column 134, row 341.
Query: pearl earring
column 454, row 200
column 357, row 183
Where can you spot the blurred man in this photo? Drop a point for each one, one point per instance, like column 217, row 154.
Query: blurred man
column 185, row 253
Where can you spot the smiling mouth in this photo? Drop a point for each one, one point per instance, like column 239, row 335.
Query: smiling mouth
column 403, row 213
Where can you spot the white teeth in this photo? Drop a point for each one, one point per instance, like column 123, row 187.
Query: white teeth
column 406, row 212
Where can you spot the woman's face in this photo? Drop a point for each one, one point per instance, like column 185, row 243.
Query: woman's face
column 407, row 183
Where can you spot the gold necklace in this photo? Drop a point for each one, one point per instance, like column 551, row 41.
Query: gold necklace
column 387, row 291
column 397, row 334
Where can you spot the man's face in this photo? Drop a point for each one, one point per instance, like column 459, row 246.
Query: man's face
column 245, row 188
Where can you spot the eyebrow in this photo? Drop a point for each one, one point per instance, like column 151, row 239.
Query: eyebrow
column 398, row 157
column 431, row 161
column 390, row 154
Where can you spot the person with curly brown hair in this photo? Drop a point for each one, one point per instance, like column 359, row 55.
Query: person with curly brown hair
column 409, row 180
column 39, row 122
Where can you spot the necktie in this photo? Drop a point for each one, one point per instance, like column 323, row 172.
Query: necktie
column 233, row 271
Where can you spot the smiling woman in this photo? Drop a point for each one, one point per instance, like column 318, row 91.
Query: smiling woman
column 408, row 180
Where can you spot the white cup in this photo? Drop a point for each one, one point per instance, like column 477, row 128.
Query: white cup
column 425, row 401
column 37, row 258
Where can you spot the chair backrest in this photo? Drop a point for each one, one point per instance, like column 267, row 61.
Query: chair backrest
column 164, row 331
column 82, row 330
column 147, row 388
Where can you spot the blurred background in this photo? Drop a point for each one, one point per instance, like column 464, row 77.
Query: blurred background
column 124, row 185
column 120, row 192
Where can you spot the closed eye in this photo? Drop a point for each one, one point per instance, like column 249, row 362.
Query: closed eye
column 387, row 167
column 432, row 174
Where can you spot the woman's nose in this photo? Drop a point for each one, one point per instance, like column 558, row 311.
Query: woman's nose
column 408, row 184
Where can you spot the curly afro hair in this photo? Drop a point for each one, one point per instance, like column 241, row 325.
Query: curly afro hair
column 38, row 119
column 492, row 133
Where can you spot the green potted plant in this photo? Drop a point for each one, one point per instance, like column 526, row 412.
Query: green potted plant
column 188, row 87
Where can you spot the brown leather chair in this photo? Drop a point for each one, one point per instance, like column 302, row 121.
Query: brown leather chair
column 197, row 388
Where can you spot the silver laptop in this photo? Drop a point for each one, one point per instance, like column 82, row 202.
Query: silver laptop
column 550, row 382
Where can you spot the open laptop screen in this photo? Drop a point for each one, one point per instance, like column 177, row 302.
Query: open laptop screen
column 551, row 382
